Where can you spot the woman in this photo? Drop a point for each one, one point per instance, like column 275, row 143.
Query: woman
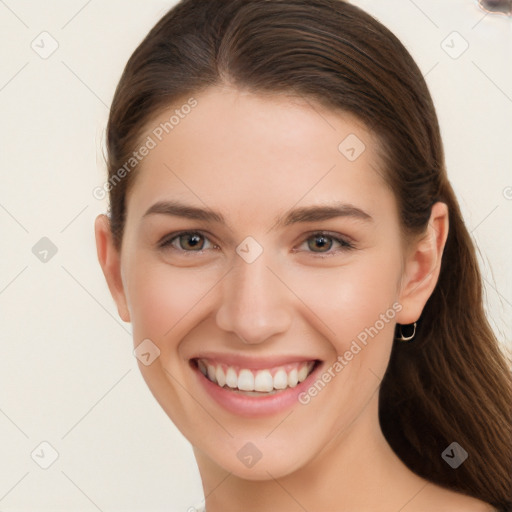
column 305, row 297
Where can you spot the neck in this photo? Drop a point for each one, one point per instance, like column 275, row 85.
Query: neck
column 338, row 478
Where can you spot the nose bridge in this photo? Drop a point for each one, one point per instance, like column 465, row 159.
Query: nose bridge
column 255, row 303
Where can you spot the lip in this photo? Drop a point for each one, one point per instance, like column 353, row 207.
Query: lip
column 253, row 363
column 255, row 406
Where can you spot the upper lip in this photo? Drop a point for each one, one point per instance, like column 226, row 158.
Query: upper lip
column 253, row 363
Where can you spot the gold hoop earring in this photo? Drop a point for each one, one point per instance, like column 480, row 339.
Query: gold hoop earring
column 404, row 339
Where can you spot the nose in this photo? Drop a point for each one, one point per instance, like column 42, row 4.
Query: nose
column 255, row 303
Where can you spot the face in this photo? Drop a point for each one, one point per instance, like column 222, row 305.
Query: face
column 259, row 251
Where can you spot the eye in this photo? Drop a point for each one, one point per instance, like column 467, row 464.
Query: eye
column 324, row 241
column 194, row 242
column 187, row 241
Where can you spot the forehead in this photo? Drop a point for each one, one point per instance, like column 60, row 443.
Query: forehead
column 256, row 153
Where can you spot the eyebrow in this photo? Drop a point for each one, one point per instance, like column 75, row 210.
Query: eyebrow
column 312, row 213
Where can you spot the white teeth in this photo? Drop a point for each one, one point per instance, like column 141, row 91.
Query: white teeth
column 246, row 380
column 263, row 381
column 293, row 378
column 231, row 378
column 219, row 375
column 302, row 373
column 258, row 381
column 211, row 372
column 280, row 380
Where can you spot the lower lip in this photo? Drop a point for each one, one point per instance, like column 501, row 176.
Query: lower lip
column 255, row 406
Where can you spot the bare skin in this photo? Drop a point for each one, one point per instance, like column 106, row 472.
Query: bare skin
column 254, row 158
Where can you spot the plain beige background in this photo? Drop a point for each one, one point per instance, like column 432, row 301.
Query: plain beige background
column 68, row 377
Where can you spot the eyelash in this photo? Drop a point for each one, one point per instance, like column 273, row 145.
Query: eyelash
column 166, row 243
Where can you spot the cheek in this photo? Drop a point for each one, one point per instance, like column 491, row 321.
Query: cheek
column 341, row 302
column 161, row 297
column 346, row 301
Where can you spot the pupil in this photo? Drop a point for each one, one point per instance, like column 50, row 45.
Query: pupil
column 193, row 240
column 321, row 241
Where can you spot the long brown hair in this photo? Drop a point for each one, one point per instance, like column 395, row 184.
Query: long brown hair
column 452, row 383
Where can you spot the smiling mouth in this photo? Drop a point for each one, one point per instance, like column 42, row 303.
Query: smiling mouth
column 250, row 382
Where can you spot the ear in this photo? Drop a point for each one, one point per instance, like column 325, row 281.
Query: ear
column 422, row 266
column 110, row 261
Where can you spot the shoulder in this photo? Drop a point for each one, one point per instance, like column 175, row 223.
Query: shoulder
column 441, row 499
